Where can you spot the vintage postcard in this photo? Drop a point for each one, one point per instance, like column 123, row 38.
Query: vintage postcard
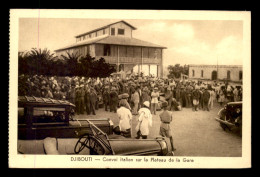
column 129, row 89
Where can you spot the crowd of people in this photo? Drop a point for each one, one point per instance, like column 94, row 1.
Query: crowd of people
column 88, row 93
column 135, row 95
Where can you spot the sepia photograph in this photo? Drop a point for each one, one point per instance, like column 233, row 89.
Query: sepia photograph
column 140, row 89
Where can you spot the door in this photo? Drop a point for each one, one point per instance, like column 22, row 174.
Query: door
column 214, row 75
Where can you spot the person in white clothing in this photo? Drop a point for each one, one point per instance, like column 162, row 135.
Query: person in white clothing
column 125, row 120
column 144, row 121
column 155, row 95
column 212, row 98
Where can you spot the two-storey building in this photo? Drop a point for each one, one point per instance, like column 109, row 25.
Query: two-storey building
column 116, row 44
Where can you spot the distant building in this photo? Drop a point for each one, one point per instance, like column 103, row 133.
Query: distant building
column 115, row 43
column 216, row 72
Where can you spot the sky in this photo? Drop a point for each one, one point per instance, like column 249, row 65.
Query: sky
column 187, row 41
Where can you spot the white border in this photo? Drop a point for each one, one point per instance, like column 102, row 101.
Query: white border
column 61, row 161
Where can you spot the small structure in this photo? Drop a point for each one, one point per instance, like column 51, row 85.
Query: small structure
column 115, row 43
column 216, row 72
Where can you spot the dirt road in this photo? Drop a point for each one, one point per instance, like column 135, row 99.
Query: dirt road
column 194, row 133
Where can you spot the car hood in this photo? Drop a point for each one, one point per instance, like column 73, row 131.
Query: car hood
column 129, row 146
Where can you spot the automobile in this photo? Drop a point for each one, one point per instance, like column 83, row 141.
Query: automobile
column 39, row 118
column 42, row 119
column 99, row 143
column 230, row 117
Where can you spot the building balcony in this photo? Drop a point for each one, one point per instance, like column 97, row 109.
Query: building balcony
column 130, row 60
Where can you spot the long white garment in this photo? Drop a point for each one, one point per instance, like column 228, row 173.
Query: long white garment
column 211, row 99
column 145, row 120
column 125, row 117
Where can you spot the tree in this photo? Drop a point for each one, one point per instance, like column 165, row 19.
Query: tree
column 72, row 63
column 43, row 62
column 177, row 70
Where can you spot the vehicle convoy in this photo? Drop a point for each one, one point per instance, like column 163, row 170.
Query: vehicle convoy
column 42, row 118
column 230, row 117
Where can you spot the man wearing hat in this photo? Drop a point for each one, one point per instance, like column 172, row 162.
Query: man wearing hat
column 196, row 98
column 72, row 94
column 81, row 99
column 205, row 96
column 43, row 91
column 144, row 121
column 146, row 95
column 87, row 99
column 165, row 128
column 106, row 97
column 49, row 93
column 125, row 119
column 201, row 97
column 123, row 99
column 113, row 99
column 188, row 95
column 155, row 95
column 93, row 100
column 135, row 100
column 168, row 97
column 77, row 98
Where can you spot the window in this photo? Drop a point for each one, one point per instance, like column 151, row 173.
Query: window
column 145, row 53
column 121, row 31
column 201, row 73
column 112, row 31
column 47, row 115
column 130, row 52
column 137, row 52
column 107, row 50
column 193, row 73
column 228, row 75
column 240, row 75
column 104, row 31
column 84, row 37
column 89, row 35
column 152, row 53
column 96, row 34
column 122, row 51
column 21, row 115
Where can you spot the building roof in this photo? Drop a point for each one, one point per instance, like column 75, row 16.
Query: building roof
column 114, row 40
column 214, row 66
column 134, row 28
column 89, row 41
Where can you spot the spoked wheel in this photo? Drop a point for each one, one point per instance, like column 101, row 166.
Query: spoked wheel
column 83, row 142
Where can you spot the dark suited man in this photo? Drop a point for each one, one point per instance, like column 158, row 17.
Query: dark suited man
column 106, row 97
column 206, row 96
column 87, row 99
column 113, row 99
column 93, row 100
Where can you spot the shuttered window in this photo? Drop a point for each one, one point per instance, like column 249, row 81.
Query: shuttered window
column 137, row 52
column 120, row 31
column 112, row 31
